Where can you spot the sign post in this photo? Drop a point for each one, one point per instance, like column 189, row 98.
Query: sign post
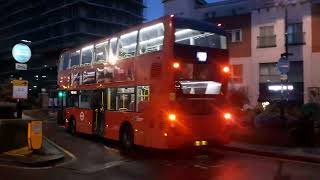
column 20, row 89
column 284, row 67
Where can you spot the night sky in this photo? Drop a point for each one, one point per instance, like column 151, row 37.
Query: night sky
column 155, row 8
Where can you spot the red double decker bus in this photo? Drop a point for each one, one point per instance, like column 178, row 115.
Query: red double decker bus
column 161, row 84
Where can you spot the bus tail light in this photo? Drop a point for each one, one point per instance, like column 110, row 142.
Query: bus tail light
column 172, row 117
column 227, row 116
column 226, row 69
column 176, row 65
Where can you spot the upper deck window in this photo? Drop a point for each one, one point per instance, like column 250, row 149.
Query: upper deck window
column 200, row 38
column 128, row 45
column 75, row 58
column 101, row 52
column 151, row 38
column 87, row 54
column 113, row 51
column 64, row 61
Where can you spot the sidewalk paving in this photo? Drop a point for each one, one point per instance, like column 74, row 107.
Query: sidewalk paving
column 49, row 153
column 291, row 153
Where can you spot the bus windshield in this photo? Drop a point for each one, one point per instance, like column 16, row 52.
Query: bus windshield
column 200, row 38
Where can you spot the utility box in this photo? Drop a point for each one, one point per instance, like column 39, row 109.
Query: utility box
column 35, row 135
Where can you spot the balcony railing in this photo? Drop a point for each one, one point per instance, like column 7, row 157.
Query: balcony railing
column 267, row 41
column 296, row 38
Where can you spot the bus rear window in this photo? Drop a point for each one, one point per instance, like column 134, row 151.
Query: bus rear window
column 200, row 38
column 200, row 87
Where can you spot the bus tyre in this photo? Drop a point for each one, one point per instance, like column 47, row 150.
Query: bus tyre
column 126, row 138
column 72, row 126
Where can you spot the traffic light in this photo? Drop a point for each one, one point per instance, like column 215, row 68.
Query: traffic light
column 61, row 94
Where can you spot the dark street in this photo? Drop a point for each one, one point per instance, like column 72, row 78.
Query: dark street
column 93, row 159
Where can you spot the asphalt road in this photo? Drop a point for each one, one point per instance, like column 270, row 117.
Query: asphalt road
column 92, row 158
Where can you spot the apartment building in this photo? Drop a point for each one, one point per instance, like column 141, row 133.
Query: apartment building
column 257, row 38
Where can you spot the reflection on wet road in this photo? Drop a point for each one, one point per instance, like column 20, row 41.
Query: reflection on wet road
column 97, row 159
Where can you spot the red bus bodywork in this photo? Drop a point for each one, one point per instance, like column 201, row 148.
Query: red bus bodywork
column 168, row 120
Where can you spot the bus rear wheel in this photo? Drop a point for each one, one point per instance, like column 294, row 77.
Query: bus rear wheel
column 126, row 138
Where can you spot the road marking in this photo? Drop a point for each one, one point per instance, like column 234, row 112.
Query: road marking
column 111, row 149
column 104, row 166
column 73, row 157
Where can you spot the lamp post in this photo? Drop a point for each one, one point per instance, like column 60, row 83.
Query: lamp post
column 283, row 64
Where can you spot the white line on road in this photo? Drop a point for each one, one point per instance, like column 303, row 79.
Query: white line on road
column 104, row 166
column 73, row 157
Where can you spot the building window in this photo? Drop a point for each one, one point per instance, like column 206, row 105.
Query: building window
column 235, row 35
column 270, row 86
column 267, row 38
column 237, row 73
column 295, row 34
column 269, row 73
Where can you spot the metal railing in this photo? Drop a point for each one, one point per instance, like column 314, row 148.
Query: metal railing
column 266, row 41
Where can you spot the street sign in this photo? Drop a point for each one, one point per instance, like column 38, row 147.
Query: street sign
column 283, row 77
column 283, row 65
column 20, row 89
column 20, row 66
column 21, row 53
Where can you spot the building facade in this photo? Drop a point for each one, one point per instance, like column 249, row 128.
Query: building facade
column 257, row 38
column 55, row 25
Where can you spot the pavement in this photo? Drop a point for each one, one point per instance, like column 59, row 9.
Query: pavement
column 49, row 153
column 305, row 154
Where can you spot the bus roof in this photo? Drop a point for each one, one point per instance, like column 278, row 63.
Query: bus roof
column 198, row 25
column 179, row 21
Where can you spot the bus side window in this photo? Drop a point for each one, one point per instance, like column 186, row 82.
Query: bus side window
column 113, row 57
column 75, row 58
column 65, row 59
column 143, row 97
column 127, row 45
column 151, row 38
column 85, row 100
column 87, row 55
column 101, row 52
column 125, row 100
column 111, row 99
column 72, row 99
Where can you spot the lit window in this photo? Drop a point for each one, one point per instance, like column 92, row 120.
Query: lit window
column 87, row 55
column 127, row 45
column 75, row 58
column 151, row 38
column 200, row 38
column 113, row 51
column 101, row 52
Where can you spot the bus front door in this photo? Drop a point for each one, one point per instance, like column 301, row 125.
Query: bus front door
column 98, row 114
